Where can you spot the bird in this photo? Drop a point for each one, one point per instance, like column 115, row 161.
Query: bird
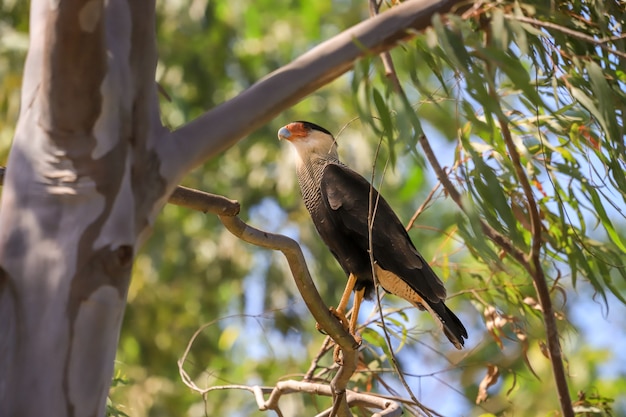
column 342, row 203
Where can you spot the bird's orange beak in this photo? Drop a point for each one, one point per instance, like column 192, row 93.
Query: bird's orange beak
column 292, row 131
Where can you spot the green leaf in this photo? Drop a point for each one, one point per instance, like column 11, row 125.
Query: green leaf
column 604, row 97
column 452, row 45
column 387, row 126
column 604, row 218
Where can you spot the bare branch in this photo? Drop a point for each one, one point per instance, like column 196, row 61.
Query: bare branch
column 421, row 208
column 297, row 264
column 602, row 42
column 389, row 408
column 208, row 135
column 314, row 363
column 204, row 202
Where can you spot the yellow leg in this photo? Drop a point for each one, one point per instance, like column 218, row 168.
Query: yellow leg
column 345, row 298
column 358, row 297
column 340, row 311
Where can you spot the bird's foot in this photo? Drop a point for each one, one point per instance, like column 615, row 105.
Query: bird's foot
column 337, row 352
column 339, row 315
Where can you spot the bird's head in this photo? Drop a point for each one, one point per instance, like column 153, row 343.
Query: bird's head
column 310, row 140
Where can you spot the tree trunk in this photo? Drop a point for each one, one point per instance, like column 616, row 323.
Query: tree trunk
column 79, row 191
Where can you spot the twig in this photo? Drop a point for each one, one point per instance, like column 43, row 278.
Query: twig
column 314, row 363
column 389, row 407
column 602, row 43
column 421, row 208
column 371, row 215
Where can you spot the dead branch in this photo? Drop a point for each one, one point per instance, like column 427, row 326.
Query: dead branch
column 389, row 408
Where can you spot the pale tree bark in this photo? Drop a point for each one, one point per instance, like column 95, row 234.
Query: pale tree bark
column 90, row 168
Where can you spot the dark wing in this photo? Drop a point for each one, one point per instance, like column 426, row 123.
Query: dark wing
column 347, row 194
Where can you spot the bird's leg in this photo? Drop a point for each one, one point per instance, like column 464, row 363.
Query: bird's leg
column 345, row 298
column 340, row 311
column 356, row 306
column 358, row 298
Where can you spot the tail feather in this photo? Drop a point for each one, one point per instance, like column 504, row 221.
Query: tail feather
column 447, row 321
column 450, row 323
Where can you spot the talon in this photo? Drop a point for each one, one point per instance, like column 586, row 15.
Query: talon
column 337, row 355
column 337, row 352
column 319, row 329
column 341, row 316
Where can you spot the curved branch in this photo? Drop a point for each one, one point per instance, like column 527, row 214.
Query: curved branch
column 204, row 202
column 226, row 210
column 314, row 302
column 297, row 264
column 389, row 408
column 208, row 135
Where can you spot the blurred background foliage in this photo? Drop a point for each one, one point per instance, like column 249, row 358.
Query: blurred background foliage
column 563, row 99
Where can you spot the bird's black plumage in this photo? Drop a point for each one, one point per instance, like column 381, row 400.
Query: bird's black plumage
column 340, row 202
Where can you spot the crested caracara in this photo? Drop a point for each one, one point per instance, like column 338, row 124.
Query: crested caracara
column 339, row 201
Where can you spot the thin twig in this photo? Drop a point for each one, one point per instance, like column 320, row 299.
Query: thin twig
column 372, row 209
column 421, row 208
column 314, row 363
column 388, row 407
column 602, row 43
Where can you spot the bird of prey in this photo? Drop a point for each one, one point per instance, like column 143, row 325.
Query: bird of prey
column 340, row 202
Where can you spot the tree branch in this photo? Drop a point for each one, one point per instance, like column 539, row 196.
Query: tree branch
column 208, row 135
column 314, row 302
column 204, row 202
column 389, row 408
column 535, row 269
